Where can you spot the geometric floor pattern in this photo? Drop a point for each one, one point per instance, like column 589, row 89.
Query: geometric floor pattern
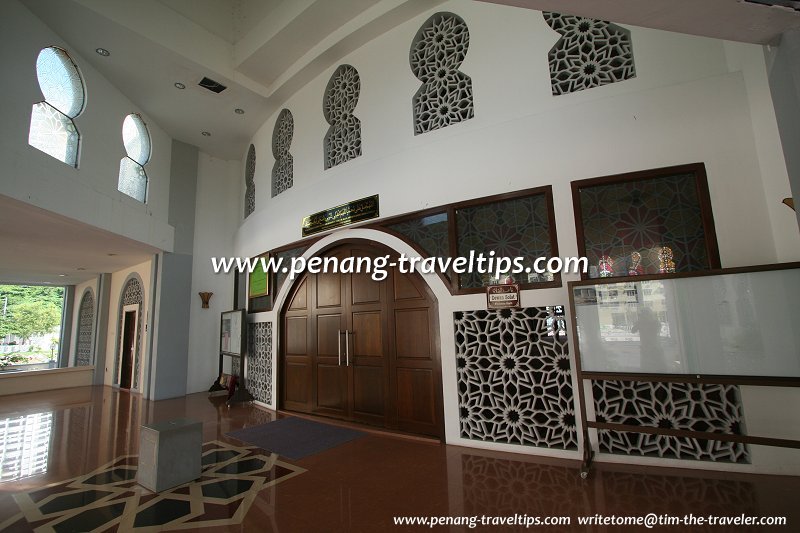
column 109, row 499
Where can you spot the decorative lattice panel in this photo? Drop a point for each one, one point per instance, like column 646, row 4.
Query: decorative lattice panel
column 83, row 351
column 343, row 139
column 514, row 378
column 437, row 52
column 250, row 182
column 259, row 361
column 283, row 169
column 590, row 53
column 688, row 406
column 132, row 294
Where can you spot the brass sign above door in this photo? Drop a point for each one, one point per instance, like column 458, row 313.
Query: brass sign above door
column 341, row 215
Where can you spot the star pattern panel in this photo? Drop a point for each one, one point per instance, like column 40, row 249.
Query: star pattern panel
column 688, row 406
column 249, row 182
column 259, row 363
column 514, row 378
column 83, row 356
column 343, row 139
column 590, row 53
column 437, row 52
column 283, row 169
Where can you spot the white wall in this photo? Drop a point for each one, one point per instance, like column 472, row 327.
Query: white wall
column 218, row 214
column 693, row 100
column 88, row 193
column 76, row 311
column 118, row 280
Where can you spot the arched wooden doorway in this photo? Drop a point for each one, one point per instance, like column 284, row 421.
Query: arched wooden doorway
column 362, row 350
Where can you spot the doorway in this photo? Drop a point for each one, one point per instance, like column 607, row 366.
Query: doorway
column 361, row 350
column 127, row 346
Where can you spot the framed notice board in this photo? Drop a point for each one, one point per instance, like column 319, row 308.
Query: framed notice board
column 258, row 284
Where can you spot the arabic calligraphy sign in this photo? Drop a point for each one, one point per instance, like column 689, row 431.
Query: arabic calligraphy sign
column 502, row 296
column 341, row 215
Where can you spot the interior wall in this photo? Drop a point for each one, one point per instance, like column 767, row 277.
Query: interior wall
column 118, row 279
column 693, row 100
column 218, row 214
column 88, row 193
column 784, row 81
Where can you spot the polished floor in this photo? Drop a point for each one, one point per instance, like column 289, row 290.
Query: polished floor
column 68, row 462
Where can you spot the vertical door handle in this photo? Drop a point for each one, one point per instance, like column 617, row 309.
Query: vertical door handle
column 347, row 345
column 339, row 346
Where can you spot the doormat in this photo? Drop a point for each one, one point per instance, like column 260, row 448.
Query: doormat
column 294, row 437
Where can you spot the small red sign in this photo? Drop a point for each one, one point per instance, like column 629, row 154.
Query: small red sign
column 502, row 296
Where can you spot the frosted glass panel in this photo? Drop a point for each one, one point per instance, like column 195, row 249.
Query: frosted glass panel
column 733, row 324
column 136, row 139
column 60, row 81
column 54, row 133
column 132, row 179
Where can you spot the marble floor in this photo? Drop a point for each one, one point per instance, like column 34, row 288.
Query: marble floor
column 68, row 462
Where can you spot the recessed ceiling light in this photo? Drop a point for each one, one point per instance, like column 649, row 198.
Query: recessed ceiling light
column 239, row 111
column 62, row 275
column 103, row 52
column 179, row 85
column 206, row 134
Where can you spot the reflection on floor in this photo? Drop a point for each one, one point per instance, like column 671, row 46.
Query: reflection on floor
column 109, row 499
column 73, row 470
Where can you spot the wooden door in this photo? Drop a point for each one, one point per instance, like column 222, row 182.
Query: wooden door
column 363, row 350
column 127, row 349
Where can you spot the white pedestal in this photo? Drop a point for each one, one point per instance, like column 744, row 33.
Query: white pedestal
column 170, row 453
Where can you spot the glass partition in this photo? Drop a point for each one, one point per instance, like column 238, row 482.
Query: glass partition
column 738, row 324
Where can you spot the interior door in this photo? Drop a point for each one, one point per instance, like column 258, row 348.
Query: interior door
column 367, row 346
column 363, row 350
column 127, row 349
column 329, row 317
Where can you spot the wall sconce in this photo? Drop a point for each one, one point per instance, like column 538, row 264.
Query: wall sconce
column 205, row 297
column 789, row 202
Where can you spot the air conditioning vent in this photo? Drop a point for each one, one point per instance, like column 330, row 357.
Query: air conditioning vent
column 789, row 4
column 211, row 85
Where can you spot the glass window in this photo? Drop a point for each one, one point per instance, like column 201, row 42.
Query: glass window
column 652, row 222
column 52, row 129
column 429, row 233
column 519, row 227
column 132, row 176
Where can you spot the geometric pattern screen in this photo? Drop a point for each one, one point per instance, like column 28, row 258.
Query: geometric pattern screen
column 283, row 169
column 259, row 361
column 343, row 139
column 590, row 53
column 686, row 406
column 514, row 378
column 249, row 182
column 83, row 351
column 628, row 223
column 437, row 52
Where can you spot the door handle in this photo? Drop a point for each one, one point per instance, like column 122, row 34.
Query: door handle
column 339, row 346
column 347, row 345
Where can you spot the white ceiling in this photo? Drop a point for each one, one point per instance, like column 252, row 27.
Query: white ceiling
column 263, row 51
column 39, row 246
